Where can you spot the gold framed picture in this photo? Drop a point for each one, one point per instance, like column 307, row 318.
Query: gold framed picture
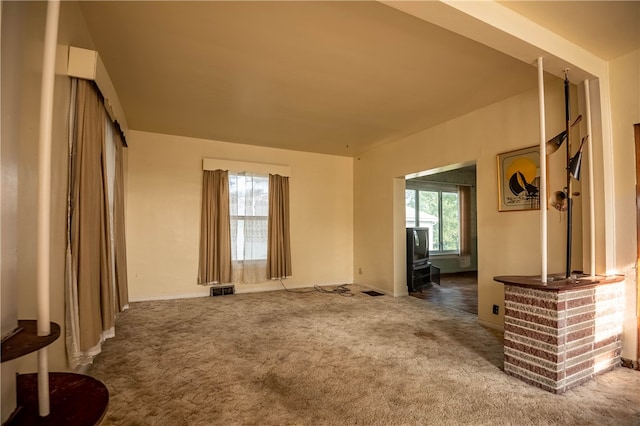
column 519, row 179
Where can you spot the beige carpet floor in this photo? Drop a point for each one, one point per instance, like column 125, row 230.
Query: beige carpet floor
column 282, row 358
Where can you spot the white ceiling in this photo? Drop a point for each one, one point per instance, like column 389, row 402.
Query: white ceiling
column 327, row 77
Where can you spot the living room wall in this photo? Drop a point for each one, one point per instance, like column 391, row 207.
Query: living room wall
column 163, row 214
column 508, row 242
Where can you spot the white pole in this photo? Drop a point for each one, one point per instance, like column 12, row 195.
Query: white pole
column 44, row 197
column 543, row 172
column 592, row 201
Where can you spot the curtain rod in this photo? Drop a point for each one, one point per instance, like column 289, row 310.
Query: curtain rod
column 119, row 129
column 109, row 110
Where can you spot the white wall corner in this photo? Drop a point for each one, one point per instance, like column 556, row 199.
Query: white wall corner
column 399, row 239
column 609, row 173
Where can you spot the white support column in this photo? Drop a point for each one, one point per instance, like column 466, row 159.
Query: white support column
column 608, row 176
column 44, row 198
column 543, row 173
column 592, row 201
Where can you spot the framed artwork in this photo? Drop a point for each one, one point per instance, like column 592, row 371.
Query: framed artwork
column 519, row 179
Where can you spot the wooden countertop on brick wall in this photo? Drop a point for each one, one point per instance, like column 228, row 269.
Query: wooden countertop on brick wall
column 558, row 282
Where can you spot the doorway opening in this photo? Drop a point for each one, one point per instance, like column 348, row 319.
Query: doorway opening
column 443, row 201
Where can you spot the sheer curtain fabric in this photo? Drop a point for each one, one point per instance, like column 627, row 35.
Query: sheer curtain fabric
column 249, row 207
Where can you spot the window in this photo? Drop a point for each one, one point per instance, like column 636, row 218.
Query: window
column 249, row 211
column 436, row 208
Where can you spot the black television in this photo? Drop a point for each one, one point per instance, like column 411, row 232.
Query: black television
column 418, row 245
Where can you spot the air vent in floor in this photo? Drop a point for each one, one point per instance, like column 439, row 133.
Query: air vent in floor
column 222, row 290
column 373, row 293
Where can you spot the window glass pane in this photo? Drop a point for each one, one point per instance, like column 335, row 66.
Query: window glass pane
column 249, row 210
column 428, row 216
column 260, row 196
column 241, row 194
column 410, row 207
column 450, row 221
column 233, row 194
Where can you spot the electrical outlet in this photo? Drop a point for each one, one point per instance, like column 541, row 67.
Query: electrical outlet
column 496, row 309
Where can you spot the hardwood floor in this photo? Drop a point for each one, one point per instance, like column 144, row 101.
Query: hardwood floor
column 458, row 291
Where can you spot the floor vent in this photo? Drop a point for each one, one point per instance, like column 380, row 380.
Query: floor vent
column 222, row 290
column 373, row 293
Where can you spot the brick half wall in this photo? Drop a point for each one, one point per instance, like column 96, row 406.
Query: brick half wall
column 558, row 339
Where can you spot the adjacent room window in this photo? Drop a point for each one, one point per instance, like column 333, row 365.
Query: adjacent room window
column 436, row 208
column 249, row 213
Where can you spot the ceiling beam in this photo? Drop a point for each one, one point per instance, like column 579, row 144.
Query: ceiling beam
column 500, row 28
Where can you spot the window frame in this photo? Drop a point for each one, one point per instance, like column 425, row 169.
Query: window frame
column 246, row 217
column 439, row 189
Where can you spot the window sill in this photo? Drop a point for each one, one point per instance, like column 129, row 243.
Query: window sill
column 444, row 256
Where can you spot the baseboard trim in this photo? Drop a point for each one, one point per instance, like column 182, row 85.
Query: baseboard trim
column 490, row 325
column 205, row 293
column 629, row 363
column 240, row 289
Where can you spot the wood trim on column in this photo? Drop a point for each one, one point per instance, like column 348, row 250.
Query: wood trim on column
column 637, row 138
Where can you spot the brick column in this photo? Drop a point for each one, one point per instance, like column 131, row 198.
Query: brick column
column 557, row 339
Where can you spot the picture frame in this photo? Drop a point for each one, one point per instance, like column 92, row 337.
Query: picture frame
column 519, row 179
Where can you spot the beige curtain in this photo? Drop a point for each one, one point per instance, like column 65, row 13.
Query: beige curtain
column 464, row 195
column 90, row 299
column 120, row 244
column 215, row 234
column 278, row 246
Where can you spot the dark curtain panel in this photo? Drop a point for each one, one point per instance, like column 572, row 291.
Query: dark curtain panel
column 120, row 243
column 465, row 220
column 215, row 231
column 278, row 246
column 90, row 232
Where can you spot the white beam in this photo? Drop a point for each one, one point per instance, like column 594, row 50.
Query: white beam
column 496, row 26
